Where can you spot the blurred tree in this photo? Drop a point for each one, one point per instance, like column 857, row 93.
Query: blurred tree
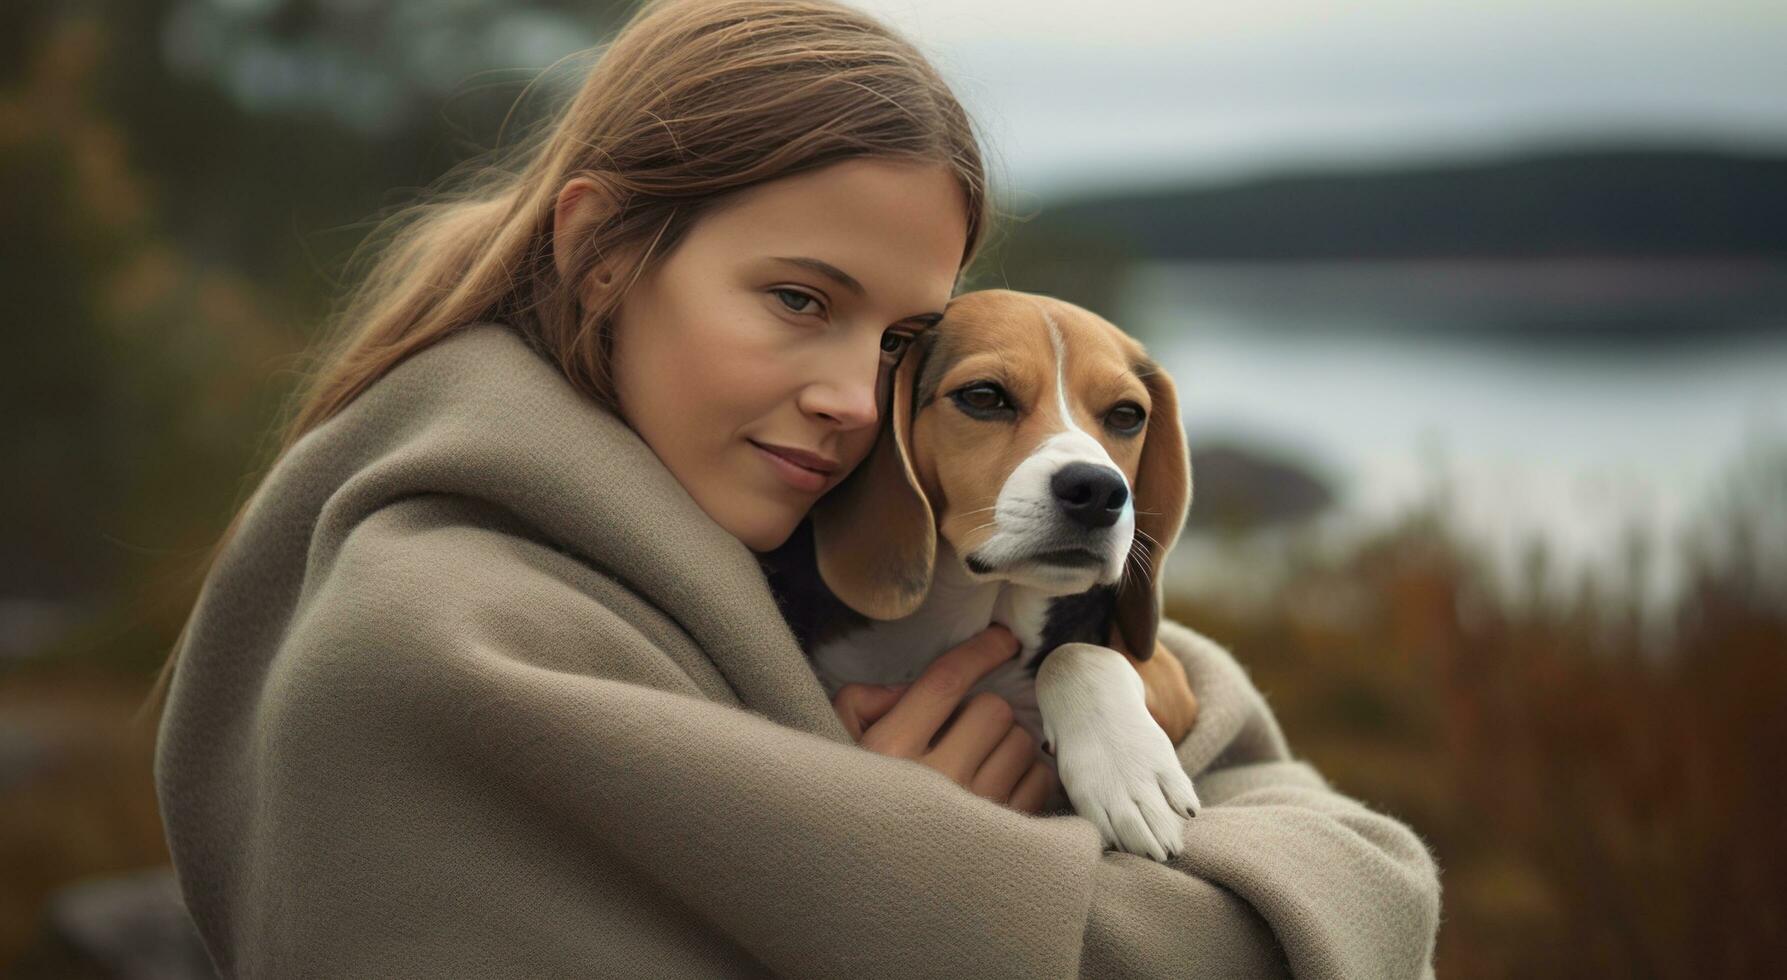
column 264, row 122
column 1083, row 265
column 182, row 182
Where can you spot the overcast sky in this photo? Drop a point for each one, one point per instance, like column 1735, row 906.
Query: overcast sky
column 1152, row 89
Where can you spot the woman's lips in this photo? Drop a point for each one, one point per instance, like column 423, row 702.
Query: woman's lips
column 795, row 475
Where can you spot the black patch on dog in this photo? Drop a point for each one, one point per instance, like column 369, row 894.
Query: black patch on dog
column 1083, row 618
column 813, row 613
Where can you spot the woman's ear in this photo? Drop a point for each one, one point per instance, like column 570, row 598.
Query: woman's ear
column 874, row 534
column 583, row 204
column 1162, row 495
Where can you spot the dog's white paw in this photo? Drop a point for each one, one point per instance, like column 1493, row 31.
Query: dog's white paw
column 1118, row 768
column 1136, row 799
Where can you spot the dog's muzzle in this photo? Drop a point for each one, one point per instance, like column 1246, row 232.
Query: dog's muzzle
column 1090, row 495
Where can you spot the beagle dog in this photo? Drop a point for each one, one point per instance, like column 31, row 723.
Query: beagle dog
column 1031, row 471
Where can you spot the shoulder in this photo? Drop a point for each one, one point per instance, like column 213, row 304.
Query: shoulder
column 437, row 583
column 441, row 554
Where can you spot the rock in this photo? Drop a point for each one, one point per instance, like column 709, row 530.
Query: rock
column 134, row 925
column 1236, row 487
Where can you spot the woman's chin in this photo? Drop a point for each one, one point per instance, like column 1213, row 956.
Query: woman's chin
column 765, row 544
column 764, row 529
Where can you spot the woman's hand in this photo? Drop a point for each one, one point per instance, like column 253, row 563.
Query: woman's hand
column 982, row 748
column 1170, row 698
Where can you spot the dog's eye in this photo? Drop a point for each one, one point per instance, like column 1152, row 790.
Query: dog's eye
column 1126, row 418
column 983, row 397
column 893, row 342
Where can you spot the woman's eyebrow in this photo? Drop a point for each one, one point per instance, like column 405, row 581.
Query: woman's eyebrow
column 849, row 282
column 827, row 270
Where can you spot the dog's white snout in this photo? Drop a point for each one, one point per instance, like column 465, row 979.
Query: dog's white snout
column 1091, row 496
column 1067, row 501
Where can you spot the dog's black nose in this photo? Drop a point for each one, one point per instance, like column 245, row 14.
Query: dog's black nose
column 1092, row 496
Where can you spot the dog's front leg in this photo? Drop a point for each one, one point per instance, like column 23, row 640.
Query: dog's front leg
column 1118, row 768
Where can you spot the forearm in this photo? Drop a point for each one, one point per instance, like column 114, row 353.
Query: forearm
column 821, row 858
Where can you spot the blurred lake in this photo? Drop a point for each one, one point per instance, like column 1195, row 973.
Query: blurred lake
column 1592, row 405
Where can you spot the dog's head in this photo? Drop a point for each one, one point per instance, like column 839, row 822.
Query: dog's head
column 1040, row 441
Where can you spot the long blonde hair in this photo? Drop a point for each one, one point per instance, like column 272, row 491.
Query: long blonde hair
column 692, row 101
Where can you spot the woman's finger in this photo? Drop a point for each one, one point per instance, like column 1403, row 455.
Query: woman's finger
column 1035, row 788
column 861, row 705
column 908, row 728
column 971, row 737
column 1000, row 773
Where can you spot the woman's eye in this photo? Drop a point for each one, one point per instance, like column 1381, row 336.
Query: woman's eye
column 983, row 397
column 795, row 300
column 893, row 342
column 1126, row 418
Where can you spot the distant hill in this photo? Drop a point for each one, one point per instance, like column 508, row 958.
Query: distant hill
column 1627, row 203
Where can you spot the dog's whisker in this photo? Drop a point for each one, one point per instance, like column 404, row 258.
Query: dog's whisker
column 1141, row 568
column 986, row 525
column 1129, row 566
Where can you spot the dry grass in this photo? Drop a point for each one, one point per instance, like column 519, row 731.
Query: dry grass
column 1598, row 807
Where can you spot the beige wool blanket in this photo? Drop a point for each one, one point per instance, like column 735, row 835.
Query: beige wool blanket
column 479, row 691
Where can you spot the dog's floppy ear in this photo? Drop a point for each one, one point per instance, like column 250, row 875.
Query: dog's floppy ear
column 874, row 534
column 1162, row 495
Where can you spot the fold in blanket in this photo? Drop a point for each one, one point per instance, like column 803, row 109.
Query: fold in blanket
column 478, row 690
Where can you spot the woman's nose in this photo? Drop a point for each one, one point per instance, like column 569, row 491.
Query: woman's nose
column 847, row 399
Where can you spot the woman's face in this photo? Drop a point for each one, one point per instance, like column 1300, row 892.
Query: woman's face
column 772, row 327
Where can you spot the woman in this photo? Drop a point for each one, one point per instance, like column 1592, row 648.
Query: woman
column 487, row 680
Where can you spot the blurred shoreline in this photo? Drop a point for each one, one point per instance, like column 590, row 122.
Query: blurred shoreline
column 1586, row 408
